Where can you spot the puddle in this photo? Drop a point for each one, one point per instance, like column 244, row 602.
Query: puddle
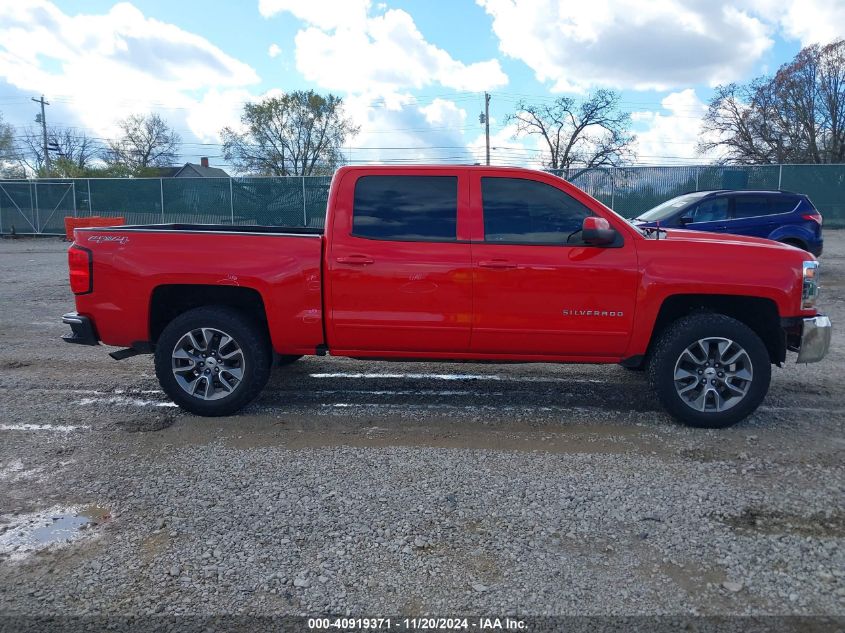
column 24, row 534
column 762, row 521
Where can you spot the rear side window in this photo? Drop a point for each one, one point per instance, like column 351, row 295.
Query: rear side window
column 750, row 206
column 410, row 208
column 782, row 204
column 710, row 210
column 528, row 212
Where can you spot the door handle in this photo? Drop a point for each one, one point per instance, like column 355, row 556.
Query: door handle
column 500, row 264
column 357, row 260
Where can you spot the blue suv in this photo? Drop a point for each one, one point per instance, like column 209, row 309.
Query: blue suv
column 777, row 215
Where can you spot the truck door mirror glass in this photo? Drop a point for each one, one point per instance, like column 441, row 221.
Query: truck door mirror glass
column 684, row 220
column 597, row 231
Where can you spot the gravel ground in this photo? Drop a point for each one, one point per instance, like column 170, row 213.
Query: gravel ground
column 405, row 488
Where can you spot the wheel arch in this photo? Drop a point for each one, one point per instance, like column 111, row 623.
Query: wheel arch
column 169, row 301
column 758, row 313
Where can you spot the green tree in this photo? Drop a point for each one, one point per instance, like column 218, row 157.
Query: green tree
column 300, row 133
column 9, row 165
column 587, row 134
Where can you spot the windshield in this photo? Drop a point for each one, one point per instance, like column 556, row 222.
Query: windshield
column 665, row 209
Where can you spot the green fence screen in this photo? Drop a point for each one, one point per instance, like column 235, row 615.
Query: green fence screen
column 40, row 206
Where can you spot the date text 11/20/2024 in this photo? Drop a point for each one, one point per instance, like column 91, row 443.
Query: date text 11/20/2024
column 418, row 624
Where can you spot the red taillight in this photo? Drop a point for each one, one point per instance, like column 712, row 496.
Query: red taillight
column 81, row 264
column 815, row 217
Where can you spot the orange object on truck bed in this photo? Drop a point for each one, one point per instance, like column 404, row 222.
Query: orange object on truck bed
column 71, row 224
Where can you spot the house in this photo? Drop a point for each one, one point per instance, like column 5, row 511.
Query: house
column 192, row 170
column 188, row 170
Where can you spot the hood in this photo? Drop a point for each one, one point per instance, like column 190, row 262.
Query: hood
column 683, row 235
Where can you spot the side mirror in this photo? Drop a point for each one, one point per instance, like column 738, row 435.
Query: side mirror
column 596, row 231
column 684, row 220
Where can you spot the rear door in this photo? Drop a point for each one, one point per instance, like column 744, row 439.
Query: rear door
column 399, row 274
column 752, row 214
column 538, row 290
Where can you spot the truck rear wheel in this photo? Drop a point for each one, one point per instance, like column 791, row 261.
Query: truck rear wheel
column 212, row 360
column 710, row 370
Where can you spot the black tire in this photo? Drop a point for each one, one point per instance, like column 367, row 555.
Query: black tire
column 636, row 368
column 684, row 333
column 283, row 359
column 796, row 243
column 254, row 345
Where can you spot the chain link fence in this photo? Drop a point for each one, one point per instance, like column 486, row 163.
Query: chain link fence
column 631, row 190
column 40, row 206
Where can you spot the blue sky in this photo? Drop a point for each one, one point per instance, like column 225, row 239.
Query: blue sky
column 412, row 72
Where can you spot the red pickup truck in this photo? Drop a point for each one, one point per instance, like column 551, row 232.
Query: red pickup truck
column 451, row 263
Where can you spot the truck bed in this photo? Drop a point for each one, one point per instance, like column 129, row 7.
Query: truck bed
column 141, row 271
column 219, row 228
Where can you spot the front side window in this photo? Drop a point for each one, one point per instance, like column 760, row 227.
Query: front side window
column 406, row 208
column 529, row 212
column 712, row 210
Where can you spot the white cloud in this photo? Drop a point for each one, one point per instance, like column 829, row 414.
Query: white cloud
column 808, row 21
column 274, row 51
column 324, row 14
column 671, row 136
column 214, row 111
column 629, row 43
column 397, row 128
column 507, row 149
column 815, row 21
column 377, row 53
column 104, row 67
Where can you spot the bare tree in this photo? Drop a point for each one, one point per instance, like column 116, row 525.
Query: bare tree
column 299, row 133
column 797, row 115
column 72, row 151
column 589, row 134
column 146, row 141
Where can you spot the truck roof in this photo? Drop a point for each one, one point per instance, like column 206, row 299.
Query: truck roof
column 502, row 168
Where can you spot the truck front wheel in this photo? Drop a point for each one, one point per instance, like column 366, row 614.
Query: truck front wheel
column 710, row 370
column 212, row 360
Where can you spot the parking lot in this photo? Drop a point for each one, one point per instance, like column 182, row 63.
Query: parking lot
column 375, row 488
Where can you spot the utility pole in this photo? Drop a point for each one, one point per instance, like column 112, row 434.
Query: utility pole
column 485, row 119
column 43, row 120
column 486, row 123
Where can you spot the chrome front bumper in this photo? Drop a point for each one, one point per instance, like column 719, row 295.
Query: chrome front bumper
column 815, row 339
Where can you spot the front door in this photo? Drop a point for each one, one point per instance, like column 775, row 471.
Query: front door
column 399, row 277
column 711, row 215
column 538, row 289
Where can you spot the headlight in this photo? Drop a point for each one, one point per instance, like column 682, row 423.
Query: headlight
column 810, row 289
